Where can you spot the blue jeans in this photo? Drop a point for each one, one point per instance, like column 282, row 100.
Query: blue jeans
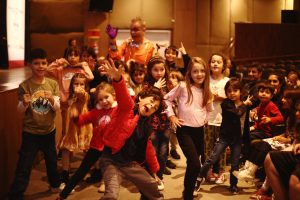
column 160, row 142
column 219, row 148
column 31, row 144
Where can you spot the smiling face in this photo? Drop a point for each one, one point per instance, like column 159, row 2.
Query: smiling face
column 198, row 74
column 170, row 55
column 105, row 99
column 216, row 64
column 137, row 31
column 158, row 71
column 254, row 74
column 274, row 81
column 147, row 106
column 38, row 67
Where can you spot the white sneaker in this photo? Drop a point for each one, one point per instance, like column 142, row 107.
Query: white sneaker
column 101, row 188
column 221, row 178
column 160, row 185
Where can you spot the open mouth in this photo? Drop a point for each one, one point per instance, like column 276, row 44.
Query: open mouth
column 146, row 109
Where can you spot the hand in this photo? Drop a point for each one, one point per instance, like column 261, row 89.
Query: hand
column 248, row 101
column 48, row 95
column 175, row 121
column 109, row 69
column 26, row 99
column 296, row 149
column 252, row 128
column 111, row 31
column 160, row 83
column 265, row 119
column 182, row 49
column 62, row 62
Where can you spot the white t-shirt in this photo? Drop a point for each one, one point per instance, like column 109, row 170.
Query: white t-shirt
column 215, row 117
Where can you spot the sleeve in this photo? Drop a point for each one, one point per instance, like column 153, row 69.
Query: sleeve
column 118, row 54
column 20, row 107
column 186, row 60
column 170, row 97
column 276, row 116
column 87, row 70
column 228, row 106
column 123, row 97
column 86, row 118
column 151, row 158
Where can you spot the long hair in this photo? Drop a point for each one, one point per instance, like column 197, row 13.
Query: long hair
column 189, row 81
column 153, row 61
column 71, row 88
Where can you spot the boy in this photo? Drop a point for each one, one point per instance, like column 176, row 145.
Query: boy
column 38, row 100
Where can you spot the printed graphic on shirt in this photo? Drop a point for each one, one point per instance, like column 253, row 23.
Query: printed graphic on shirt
column 39, row 104
column 104, row 120
column 68, row 76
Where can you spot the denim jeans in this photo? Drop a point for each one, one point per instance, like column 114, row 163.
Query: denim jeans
column 191, row 141
column 160, row 141
column 30, row 146
column 220, row 146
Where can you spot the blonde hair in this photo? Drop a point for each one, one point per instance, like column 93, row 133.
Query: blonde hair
column 104, row 86
column 207, row 96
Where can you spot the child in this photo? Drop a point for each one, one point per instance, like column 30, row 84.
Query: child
column 217, row 63
column 157, row 75
column 100, row 118
column 127, row 139
column 75, row 139
column 233, row 120
column 38, row 100
column 292, row 79
column 137, row 73
column 194, row 105
column 268, row 115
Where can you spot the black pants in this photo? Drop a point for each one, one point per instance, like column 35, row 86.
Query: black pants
column 88, row 161
column 31, row 144
column 191, row 141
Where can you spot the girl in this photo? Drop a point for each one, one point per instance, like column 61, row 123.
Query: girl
column 137, row 73
column 233, row 120
column 194, row 105
column 157, row 75
column 75, row 138
column 217, row 63
column 100, row 118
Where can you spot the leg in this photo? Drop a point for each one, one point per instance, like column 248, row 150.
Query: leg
column 88, row 161
column 190, row 140
column 27, row 153
column 277, row 186
column 294, row 188
column 47, row 146
column 235, row 161
column 112, row 179
column 146, row 184
column 174, row 143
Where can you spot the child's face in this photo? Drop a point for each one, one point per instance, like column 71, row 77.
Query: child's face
column 274, row 81
column 264, row 95
column 292, row 80
column 79, row 84
column 198, row 74
column 254, row 74
column 73, row 58
column 148, row 106
column 38, row 67
column 105, row 99
column 138, row 77
column 173, row 81
column 216, row 64
column 158, row 71
column 170, row 55
column 233, row 94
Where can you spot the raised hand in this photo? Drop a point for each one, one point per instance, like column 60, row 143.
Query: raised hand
column 111, row 31
column 109, row 69
column 48, row 95
column 248, row 101
column 160, row 83
column 182, row 49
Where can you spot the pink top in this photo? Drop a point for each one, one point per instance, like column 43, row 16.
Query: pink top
column 192, row 114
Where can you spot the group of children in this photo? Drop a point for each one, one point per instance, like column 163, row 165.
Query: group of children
column 124, row 115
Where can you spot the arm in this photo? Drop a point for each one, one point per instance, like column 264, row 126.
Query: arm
column 88, row 73
column 151, row 158
column 276, row 116
column 24, row 99
column 116, row 52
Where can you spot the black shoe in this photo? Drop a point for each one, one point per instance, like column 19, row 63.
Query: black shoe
column 174, row 154
column 170, row 164
column 167, row 171
column 233, row 189
column 59, row 155
column 199, row 182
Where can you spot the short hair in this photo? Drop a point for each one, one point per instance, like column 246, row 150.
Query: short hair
column 173, row 48
column 256, row 66
column 140, row 20
column 177, row 74
column 37, row 53
column 266, row 86
column 234, row 83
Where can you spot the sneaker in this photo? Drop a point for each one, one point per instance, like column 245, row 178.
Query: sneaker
column 199, row 182
column 101, row 188
column 261, row 194
column 174, row 154
column 233, row 189
column 221, row 178
column 58, row 189
column 167, row 171
column 170, row 164
column 212, row 177
column 160, row 185
column 65, row 176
